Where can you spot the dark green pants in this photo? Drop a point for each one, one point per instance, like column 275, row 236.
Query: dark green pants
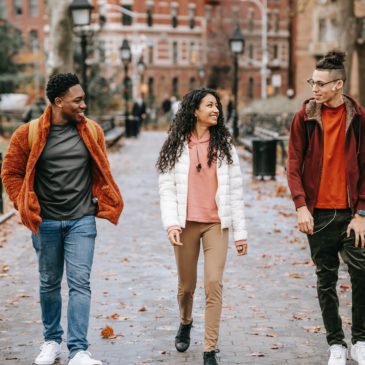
column 325, row 245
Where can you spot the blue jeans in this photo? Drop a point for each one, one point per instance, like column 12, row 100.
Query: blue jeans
column 71, row 241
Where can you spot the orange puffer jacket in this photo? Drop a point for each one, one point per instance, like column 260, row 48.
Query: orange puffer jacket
column 19, row 164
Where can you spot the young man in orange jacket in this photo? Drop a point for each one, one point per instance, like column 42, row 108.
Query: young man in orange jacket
column 57, row 174
column 326, row 176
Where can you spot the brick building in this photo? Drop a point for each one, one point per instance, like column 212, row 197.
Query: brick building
column 316, row 32
column 169, row 36
column 222, row 17
column 30, row 17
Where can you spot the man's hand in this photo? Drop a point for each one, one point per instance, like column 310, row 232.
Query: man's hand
column 305, row 220
column 174, row 237
column 357, row 225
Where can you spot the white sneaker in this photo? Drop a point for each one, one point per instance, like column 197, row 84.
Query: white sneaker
column 338, row 355
column 50, row 351
column 358, row 352
column 84, row 358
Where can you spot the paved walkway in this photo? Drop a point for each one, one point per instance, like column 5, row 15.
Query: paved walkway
column 270, row 316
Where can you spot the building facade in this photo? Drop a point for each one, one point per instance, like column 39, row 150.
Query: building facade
column 255, row 63
column 318, row 30
column 167, row 37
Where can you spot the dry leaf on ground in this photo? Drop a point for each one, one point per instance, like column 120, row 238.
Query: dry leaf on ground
column 108, row 333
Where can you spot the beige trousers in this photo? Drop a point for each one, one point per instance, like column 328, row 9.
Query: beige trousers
column 215, row 244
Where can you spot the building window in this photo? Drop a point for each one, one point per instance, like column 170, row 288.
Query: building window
column 150, row 15
column 192, row 83
column 175, row 86
column 251, row 54
column 174, row 11
column 127, row 16
column 150, row 54
column 33, row 8
column 322, row 30
column 192, row 53
column 276, row 52
column 250, row 87
column 3, row 9
column 151, row 88
column 276, row 22
column 174, row 53
column 33, row 41
column 18, row 7
column 251, row 19
column 191, row 16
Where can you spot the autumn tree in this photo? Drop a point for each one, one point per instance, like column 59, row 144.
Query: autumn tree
column 10, row 43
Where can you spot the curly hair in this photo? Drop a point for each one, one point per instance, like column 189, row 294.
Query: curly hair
column 59, row 84
column 333, row 61
column 183, row 125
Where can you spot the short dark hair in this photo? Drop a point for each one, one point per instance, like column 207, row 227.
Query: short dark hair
column 333, row 61
column 59, row 84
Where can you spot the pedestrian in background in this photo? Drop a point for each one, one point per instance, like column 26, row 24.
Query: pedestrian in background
column 139, row 113
column 57, row 174
column 326, row 175
column 200, row 185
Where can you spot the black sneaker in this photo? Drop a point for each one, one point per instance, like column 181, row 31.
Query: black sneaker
column 182, row 339
column 209, row 358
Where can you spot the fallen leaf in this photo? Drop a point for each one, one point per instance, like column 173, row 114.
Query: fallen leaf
column 345, row 287
column 280, row 190
column 276, row 346
column 313, row 329
column 108, row 333
column 296, row 276
column 113, row 316
column 257, row 354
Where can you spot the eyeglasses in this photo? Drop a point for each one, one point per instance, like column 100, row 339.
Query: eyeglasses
column 320, row 84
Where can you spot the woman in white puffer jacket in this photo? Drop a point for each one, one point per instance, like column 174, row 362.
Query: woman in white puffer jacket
column 201, row 198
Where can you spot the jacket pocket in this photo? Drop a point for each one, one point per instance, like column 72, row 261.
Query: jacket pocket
column 108, row 196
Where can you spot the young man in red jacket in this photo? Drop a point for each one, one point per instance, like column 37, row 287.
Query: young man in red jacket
column 326, row 176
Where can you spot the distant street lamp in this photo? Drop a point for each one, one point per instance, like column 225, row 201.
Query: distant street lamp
column 237, row 46
column 126, row 58
column 81, row 16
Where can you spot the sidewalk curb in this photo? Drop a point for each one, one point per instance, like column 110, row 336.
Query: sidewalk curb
column 5, row 217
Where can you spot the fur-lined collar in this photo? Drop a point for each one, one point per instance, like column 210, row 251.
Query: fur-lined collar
column 314, row 110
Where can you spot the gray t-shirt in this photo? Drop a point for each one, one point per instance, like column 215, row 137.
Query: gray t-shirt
column 63, row 177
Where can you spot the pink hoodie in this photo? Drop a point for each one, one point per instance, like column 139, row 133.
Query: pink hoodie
column 202, row 182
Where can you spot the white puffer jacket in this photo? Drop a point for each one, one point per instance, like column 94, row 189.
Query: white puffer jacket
column 229, row 198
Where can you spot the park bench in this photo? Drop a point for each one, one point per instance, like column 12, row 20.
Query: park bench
column 111, row 132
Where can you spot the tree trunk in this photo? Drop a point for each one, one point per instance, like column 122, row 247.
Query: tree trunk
column 60, row 37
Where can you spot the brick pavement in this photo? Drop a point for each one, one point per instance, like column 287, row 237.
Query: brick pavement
column 270, row 306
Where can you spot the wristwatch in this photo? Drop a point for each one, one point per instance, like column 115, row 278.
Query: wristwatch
column 361, row 213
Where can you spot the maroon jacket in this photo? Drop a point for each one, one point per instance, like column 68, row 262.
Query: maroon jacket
column 304, row 166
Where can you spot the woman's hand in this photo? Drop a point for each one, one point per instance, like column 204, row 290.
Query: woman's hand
column 174, row 237
column 241, row 247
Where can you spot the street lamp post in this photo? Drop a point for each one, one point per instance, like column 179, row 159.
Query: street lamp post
column 81, row 16
column 126, row 57
column 237, row 45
